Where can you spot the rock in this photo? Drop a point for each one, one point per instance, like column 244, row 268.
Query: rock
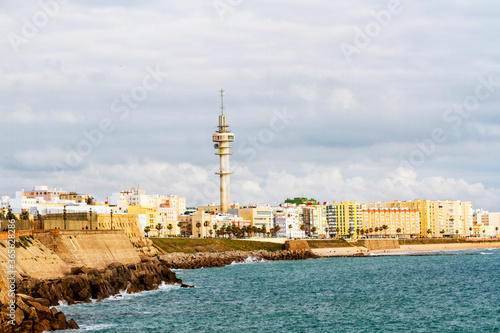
column 72, row 325
column 186, row 286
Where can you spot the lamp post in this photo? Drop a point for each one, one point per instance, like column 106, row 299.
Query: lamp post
column 64, row 217
column 90, row 218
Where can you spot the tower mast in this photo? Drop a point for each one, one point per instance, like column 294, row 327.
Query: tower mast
column 222, row 138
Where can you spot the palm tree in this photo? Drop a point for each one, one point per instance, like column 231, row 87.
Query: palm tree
column 158, row 227
column 179, row 224
column 313, row 230
column 25, row 215
column 210, row 232
column 496, row 231
column 189, row 229
column 215, row 226
column 147, row 229
column 326, row 231
column 385, row 227
column 398, row 230
column 276, row 229
column 470, row 229
column 456, row 231
column 170, row 227
column 198, row 225
column 222, row 231
column 206, row 224
column 429, row 231
column 337, row 230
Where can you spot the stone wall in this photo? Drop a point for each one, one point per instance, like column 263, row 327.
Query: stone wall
column 379, row 244
column 294, row 245
column 92, row 248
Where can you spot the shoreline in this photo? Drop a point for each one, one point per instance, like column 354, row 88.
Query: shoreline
column 356, row 251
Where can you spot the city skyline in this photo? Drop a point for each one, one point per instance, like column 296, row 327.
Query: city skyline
column 387, row 101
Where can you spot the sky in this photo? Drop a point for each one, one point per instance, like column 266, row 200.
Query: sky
column 335, row 100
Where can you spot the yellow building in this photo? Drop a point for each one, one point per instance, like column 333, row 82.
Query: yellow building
column 441, row 218
column 391, row 222
column 78, row 198
column 149, row 217
column 259, row 216
column 344, row 219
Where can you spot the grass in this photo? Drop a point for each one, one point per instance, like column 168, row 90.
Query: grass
column 194, row 245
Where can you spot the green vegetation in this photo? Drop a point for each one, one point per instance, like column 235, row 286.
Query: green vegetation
column 299, row 201
column 193, row 245
column 327, row 243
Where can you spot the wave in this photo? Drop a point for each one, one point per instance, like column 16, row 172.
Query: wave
column 62, row 303
column 97, row 327
column 249, row 260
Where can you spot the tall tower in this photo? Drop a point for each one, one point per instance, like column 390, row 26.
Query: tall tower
column 222, row 138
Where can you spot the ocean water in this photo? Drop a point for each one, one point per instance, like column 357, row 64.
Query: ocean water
column 459, row 292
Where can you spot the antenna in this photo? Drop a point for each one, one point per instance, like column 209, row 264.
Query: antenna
column 222, row 100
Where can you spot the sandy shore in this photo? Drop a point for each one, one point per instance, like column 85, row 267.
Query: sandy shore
column 404, row 249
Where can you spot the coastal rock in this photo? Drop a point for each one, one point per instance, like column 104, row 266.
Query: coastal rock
column 203, row 260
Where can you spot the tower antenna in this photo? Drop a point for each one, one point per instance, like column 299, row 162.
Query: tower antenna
column 222, row 100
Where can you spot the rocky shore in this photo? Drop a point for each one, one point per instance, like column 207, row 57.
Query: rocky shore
column 35, row 296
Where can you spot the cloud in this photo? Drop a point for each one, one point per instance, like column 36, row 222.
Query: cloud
column 354, row 122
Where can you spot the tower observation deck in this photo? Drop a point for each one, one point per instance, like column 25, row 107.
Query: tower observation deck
column 222, row 138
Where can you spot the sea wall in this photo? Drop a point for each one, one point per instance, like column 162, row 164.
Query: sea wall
column 379, row 244
column 90, row 248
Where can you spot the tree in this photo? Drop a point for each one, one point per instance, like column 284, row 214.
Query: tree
column 385, row 227
column 263, row 230
column 198, row 225
column 147, row 229
column 429, row 231
column 170, row 227
column 215, row 226
column 206, row 224
column 276, row 229
column 313, row 230
column 337, row 230
column 470, row 229
column 326, row 231
column 180, row 224
column 456, row 232
column 222, row 231
column 158, row 227
column 10, row 216
column 210, row 232
column 496, row 231
column 189, row 229
column 398, row 230
column 25, row 216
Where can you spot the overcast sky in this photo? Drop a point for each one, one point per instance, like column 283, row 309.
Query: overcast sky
column 336, row 100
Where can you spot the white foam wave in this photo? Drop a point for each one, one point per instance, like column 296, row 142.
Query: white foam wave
column 98, row 327
column 249, row 260
column 63, row 303
column 486, row 253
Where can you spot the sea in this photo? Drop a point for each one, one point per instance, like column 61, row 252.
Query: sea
column 453, row 291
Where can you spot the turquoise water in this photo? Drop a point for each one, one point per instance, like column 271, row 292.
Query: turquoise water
column 451, row 293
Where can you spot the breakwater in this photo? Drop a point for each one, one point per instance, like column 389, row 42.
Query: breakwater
column 219, row 259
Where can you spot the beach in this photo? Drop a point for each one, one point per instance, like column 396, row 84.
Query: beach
column 404, row 249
